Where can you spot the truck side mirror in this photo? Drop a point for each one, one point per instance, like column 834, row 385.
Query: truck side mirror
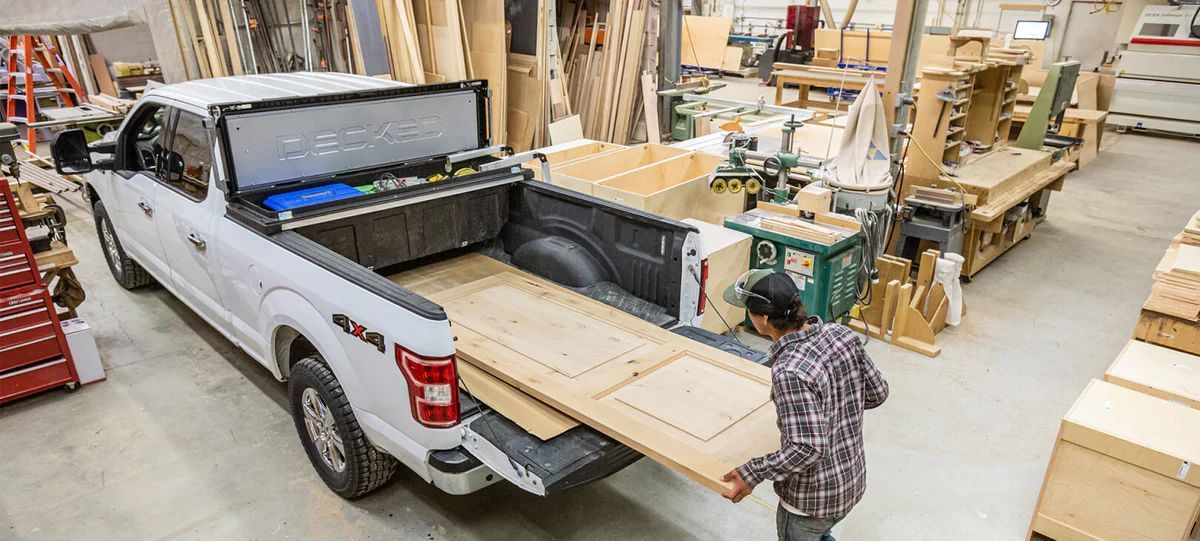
column 70, row 153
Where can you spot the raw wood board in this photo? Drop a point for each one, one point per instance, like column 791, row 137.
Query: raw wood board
column 1157, row 371
column 697, row 410
column 704, row 41
column 529, row 413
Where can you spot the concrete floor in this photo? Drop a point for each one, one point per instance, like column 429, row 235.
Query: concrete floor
column 190, row 439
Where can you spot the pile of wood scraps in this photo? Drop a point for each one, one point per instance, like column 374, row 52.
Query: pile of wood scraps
column 1171, row 315
column 905, row 312
column 1176, row 288
column 804, row 229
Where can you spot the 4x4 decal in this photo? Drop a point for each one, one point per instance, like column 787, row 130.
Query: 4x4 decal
column 352, row 328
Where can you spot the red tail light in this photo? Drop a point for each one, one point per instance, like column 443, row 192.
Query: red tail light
column 703, row 284
column 432, row 387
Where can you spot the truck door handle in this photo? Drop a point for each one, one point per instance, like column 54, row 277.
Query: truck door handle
column 146, row 208
column 197, row 241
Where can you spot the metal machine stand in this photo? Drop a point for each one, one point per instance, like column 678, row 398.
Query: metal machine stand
column 936, row 221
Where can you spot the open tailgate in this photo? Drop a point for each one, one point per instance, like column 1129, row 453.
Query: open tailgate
column 691, row 407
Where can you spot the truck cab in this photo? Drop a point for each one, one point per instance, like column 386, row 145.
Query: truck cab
column 186, row 194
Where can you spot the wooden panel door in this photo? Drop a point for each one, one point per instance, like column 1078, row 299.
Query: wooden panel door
column 696, row 409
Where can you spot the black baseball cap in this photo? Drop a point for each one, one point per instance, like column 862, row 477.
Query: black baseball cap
column 763, row 291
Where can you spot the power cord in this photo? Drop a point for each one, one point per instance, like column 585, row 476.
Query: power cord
column 708, row 299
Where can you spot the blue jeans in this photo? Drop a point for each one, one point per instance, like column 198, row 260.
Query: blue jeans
column 794, row 527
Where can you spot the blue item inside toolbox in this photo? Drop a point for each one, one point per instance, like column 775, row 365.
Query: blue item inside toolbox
column 310, row 196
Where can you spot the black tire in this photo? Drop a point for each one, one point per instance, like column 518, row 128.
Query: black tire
column 365, row 467
column 127, row 272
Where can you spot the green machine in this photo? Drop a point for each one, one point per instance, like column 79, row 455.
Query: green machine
column 826, row 274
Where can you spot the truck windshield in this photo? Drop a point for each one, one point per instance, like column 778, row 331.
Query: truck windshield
column 275, row 147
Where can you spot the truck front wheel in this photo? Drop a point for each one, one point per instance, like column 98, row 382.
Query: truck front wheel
column 127, row 272
column 336, row 445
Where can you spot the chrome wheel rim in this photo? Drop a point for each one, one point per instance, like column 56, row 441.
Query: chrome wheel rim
column 110, row 245
column 318, row 420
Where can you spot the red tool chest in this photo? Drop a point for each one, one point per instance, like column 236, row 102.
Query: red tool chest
column 33, row 350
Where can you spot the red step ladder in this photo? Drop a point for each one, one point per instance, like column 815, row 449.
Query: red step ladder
column 23, row 53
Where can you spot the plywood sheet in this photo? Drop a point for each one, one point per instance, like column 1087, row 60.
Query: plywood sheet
column 693, row 408
column 704, row 41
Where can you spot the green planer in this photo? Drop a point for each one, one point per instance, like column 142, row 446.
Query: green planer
column 826, row 274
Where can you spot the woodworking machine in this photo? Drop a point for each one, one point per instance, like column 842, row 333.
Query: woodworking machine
column 825, row 273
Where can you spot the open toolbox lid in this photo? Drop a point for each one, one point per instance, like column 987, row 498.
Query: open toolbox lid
column 295, row 141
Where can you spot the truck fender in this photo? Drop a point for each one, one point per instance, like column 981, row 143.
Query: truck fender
column 285, row 308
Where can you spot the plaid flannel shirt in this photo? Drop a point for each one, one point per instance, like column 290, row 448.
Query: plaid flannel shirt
column 822, row 381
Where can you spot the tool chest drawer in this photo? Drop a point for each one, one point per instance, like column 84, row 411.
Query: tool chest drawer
column 25, row 381
column 8, row 228
column 29, row 329
column 17, row 266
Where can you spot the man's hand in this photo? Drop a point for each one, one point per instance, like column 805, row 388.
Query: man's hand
column 740, row 488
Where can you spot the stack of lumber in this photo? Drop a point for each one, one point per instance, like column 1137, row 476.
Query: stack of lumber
column 1171, row 315
column 603, row 67
column 804, row 229
column 1176, row 288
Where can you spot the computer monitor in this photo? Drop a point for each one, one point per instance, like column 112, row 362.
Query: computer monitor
column 1032, row 30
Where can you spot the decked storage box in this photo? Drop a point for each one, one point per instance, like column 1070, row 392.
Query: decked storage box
column 580, row 175
column 676, row 188
column 1157, row 371
column 728, row 255
column 1121, row 469
column 568, row 153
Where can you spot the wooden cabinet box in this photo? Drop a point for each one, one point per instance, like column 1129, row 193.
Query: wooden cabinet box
column 728, row 255
column 1168, row 331
column 580, row 175
column 1121, row 469
column 567, row 153
column 676, row 188
column 1157, row 371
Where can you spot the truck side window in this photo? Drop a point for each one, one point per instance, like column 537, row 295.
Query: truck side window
column 144, row 146
column 190, row 159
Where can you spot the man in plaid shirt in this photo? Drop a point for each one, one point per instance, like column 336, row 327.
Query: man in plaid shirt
column 821, row 382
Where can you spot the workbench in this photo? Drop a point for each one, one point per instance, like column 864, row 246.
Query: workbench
column 1087, row 124
column 1011, row 188
column 805, row 77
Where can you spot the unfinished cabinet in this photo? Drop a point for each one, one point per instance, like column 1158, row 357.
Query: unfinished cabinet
column 565, row 154
column 1121, row 469
column 994, row 97
column 1157, row 371
column 1168, row 331
column 580, row 175
column 676, row 188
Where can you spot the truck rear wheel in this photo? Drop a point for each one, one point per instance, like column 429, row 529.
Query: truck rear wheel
column 127, row 272
column 335, row 444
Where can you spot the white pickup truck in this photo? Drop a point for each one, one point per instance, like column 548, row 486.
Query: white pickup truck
column 179, row 197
